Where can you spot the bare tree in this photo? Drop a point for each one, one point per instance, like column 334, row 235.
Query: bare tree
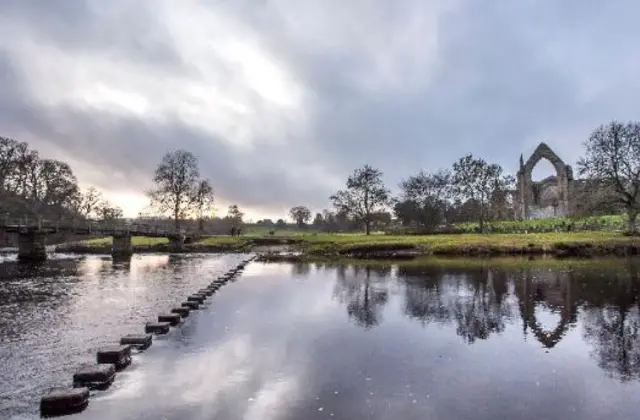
column 365, row 195
column 106, row 211
column 424, row 198
column 613, row 157
column 300, row 214
column 476, row 181
column 58, row 185
column 234, row 215
column 203, row 202
column 89, row 202
column 177, row 182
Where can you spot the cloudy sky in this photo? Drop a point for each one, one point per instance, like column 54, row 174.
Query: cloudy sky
column 281, row 99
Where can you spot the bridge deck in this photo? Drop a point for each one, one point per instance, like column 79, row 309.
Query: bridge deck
column 90, row 227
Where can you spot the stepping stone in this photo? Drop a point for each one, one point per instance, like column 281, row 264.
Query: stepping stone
column 191, row 305
column 207, row 292
column 63, row 401
column 182, row 311
column 119, row 355
column 98, row 376
column 138, row 341
column 156, row 327
column 172, row 319
column 196, row 298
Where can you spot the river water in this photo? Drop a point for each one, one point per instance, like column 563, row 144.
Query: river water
column 461, row 339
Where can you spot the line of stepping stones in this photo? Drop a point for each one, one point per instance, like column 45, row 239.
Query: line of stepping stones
column 115, row 358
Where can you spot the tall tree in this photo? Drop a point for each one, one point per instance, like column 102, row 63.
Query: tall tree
column 177, row 185
column 203, row 201
column 300, row 214
column 58, row 185
column 424, row 198
column 235, row 215
column 89, row 202
column 612, row 156
column 476, row 181
column 365, row 195
column 106, row 211
column 318, row 221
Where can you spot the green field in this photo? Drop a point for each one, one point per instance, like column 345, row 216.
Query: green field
column 331, row 244
column 337, row 245
column 607, row 223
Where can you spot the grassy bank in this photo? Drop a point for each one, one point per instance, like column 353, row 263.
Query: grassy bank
column 147, row 244
column 389, row 246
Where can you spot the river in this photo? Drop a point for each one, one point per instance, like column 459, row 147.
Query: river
column 437, row 339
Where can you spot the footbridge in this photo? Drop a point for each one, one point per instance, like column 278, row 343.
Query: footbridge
column 32, row 233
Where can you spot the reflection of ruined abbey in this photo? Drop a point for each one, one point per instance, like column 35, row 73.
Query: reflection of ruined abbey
column 559, row 195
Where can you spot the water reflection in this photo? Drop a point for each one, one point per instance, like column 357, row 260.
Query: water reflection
column 363, row 290
column 438, row 339
column 54, row 315
column 481, row 301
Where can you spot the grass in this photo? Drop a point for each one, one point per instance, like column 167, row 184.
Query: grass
column 135, row 241
column 591, row 223
column 443, row 244
column 380, row 245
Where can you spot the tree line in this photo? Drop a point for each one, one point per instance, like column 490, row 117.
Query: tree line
column 475, row 190
column 34, row 184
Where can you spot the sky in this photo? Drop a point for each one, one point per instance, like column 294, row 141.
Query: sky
column 281, row 99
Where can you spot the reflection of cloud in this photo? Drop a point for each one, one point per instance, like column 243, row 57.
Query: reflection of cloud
column 270, row 401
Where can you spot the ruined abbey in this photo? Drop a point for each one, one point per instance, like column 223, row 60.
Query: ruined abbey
column 559, row 194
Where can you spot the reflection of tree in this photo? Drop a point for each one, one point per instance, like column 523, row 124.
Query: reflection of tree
column 483, row 311
column 300, row 269
column 474, row 300
column 363, row 290
column 612, row 324
column 553, row 290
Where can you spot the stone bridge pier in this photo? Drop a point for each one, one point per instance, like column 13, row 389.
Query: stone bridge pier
column 121, row 246
column 31, row 246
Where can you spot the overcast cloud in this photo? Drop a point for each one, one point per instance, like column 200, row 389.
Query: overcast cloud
column 282, row 99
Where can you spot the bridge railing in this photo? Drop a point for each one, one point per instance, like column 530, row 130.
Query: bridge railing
column 87, row 226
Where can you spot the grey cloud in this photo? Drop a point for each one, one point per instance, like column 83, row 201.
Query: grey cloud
column 503, row 78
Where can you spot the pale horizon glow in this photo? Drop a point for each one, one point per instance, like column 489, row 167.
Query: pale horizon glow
column 281, row 100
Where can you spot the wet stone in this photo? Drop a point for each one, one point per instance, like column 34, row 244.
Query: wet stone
column 173, row 319
column 157, row 327
column 191, row 305
column 196, row 298
column 138, row 341
column 99, row 376
column 120, row 356
column 63, row 401
column 207, row 292
column 182, row 311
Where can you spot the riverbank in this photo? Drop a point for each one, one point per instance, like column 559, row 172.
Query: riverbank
column 311, row 246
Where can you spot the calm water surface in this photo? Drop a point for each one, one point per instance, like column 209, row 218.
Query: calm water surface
column 525, row 340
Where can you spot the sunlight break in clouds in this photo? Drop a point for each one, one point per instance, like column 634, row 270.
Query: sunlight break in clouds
column 282, row 99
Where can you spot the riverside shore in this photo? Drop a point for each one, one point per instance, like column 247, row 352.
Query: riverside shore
column 310, row 246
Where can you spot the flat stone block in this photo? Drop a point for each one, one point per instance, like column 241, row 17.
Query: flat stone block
column 173, row 319
column 63, row 401
column 191, row 305
column 157, row 327
column 98, row 376
column 182, row 311
column 138, row 341
column 196, row 298
column 119, row 355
